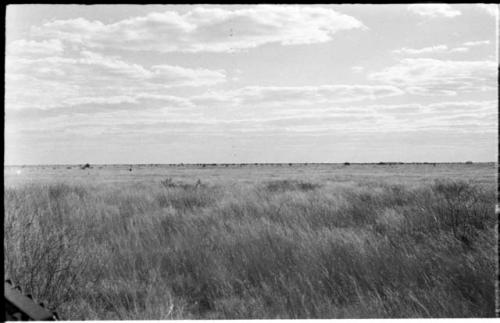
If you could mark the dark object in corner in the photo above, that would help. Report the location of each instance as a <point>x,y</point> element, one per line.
<point>21,308</point>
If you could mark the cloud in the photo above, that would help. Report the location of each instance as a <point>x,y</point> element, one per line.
<point>491,9</point>
<point>138,102</point>
<point>434,10</point>
<point>411,51</point>
<point>474,107</point>
<point>357,69</point>
<point>24,47</point>
<point>91,68</point>
<point>278,96</point>
<point>426,76</point>
<point>169,74</point>
<point>51,81</point>
<point>476,43</point>
<point>438,49</point>
<point>205,29</point>
<point>477,116</point>
<point>155,105</point>
<point>459,50</point>
<point>130,121</point>
<point>252,107</point>
<point>397,109</point>
<point>440,108</point>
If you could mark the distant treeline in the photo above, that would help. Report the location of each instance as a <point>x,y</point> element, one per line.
<point>100,166</point>
<point>205,165</point>
<point>287,164</point>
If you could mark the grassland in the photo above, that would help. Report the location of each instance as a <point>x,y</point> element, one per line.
<point>316,241</point>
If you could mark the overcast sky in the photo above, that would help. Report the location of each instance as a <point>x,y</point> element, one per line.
<point>222,84</point>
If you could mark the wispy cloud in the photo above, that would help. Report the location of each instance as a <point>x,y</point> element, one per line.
<point>357,69</point>
<point>477,43</point>
<point>32,48</point>
<point>57,80</point>
<point>138,114</point>
<point>490,8</point>
<point>280,96</point>
<point>137,106</point>
<point>475,116</point>
<point>438,49</point>
<point>475,107</point>
<point>441,49</point>
<point>426,76</point>
<point>205,29</point>
<point>434,10</point>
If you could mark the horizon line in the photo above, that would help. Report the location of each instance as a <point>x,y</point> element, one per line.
<point>261,163</point>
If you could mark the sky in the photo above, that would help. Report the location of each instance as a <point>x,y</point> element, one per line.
<point>126,84</point>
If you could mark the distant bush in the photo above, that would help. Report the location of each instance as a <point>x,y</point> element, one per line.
<point>347,164</point>
<point>468,162</point>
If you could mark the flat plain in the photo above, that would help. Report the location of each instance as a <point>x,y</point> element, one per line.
<point>254,241</point>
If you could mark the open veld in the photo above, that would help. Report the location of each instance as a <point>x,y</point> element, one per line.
<point>254,241</point>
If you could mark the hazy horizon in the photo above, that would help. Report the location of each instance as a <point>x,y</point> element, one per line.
<point>232,84</point>
<point>254,163</point>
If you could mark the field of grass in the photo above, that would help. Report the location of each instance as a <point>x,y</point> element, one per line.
<point>315,241</point>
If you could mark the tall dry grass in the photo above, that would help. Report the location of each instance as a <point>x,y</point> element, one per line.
<point>277,249</point>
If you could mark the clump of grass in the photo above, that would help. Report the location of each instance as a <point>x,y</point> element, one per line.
<point>290,185</point>
<point>168,182</point>
<point>186,195</point>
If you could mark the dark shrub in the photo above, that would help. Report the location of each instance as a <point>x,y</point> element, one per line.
<point>461,207</point>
